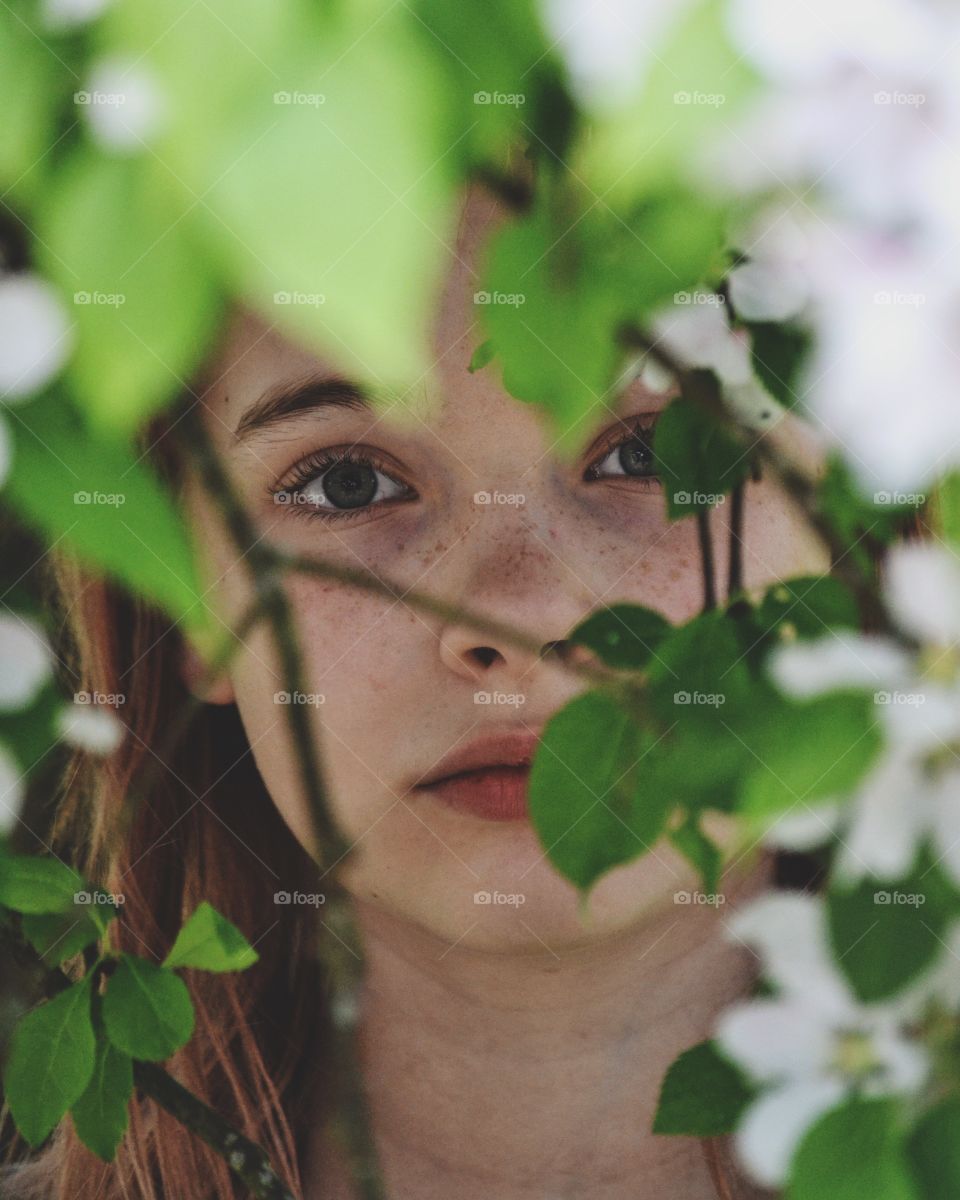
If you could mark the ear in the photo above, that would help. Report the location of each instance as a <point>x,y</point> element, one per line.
<point>192,671</point>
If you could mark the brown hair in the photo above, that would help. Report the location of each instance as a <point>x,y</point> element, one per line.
<point>203,828</point>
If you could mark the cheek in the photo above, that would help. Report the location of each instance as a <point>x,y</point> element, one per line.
<point>355,647</point>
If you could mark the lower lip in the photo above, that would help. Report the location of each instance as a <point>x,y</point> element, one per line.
<point>493,793</point>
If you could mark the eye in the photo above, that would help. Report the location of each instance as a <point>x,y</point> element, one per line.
<point>630,456</point>
<point>337,484</point>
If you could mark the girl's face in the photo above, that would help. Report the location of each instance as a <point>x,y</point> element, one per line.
<point>467,500</point>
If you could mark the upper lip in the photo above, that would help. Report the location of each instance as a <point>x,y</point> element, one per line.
<point>513,748</point>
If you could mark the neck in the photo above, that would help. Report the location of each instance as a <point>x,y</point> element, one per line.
<point>532,1075</point>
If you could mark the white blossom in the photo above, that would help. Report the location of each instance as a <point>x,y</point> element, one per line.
<point>908,796</point>
<point>25,658</point>
<point>813,1043</point>
<point>94,729</point>
<point>35,335</point>
<point>123,103</point>
<point>62,15</point>
<point>774,283</point>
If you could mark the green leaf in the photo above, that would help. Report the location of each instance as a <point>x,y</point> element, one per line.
<point>58,936</point>
<point>885,932</point>
<point>853,1152</point>
<point>37,884</point>
<point>122,244</point>
<point>30,86</point>
<point>697,460</point>
<point>703,1094</point>
<point>209,941</point>
<point>51,1061</point>
<point>654,135</point>
<point>92,493</point>
<point>623,635</point>
<point>147,1010</point>
<point>779,353</point>
<point>934,1149</point>
<point>809,606</point>
<point>804,752</point>
<point>483,354</point>
<point>586,800</point>
<point>700,851</point>
<point>100,1115</point>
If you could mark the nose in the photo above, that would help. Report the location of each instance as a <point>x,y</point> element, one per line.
<point>479,657</point>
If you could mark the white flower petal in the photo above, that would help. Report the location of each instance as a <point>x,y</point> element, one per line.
<point>25,658</point>
<point>59,15</point>
<point>94,729</point>
<point>123,104</point>
<point>945,815</point>
<point>805,828</point>
<point>35,337</point>
<point>922,585</point>
<point>838,660</point>
<point>11,791</point>
<point>774,1125</point>
<point>788,930</point>
<point>890,815</point>
<point>775,1039</point>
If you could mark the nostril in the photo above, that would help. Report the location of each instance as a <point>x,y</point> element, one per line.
<point>485,655</point>
<point>560,649</point>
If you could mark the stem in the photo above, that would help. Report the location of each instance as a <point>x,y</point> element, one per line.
<point>735,571</point>
<point>705,538</point>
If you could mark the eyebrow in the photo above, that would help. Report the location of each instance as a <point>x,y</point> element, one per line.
<point>294,400</point>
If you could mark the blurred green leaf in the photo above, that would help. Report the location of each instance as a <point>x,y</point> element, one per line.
<point>121,242</point>
<point>93,494</point>
<point>698,461</point>
<point>934,1149</point>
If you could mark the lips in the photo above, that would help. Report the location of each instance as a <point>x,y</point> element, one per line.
<point>488,777</point>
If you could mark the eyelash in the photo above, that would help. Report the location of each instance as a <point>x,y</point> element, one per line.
<point>315,466</point>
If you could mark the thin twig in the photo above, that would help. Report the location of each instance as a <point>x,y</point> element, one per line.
<point>735,557</point>
<point>705,538</point>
